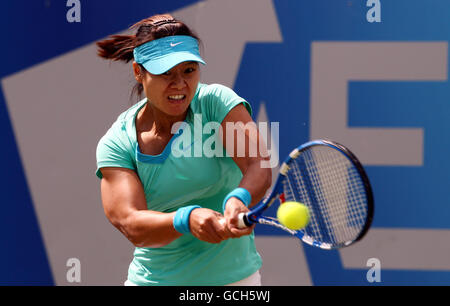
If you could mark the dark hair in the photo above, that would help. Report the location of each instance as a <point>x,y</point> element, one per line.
<point>120,47</point>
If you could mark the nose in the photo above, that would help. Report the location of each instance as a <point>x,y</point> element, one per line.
<point>178,81</point>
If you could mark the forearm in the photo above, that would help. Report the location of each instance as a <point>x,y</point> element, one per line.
<point>256,180</point>
<point>145,228</point>
<point>244,134</point>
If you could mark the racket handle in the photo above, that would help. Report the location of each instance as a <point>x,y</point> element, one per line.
<point>243,221</point>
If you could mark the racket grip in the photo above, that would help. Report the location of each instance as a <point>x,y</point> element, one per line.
<point>243,221</point>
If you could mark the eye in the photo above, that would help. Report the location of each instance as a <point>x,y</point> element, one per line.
<point>189,70</point>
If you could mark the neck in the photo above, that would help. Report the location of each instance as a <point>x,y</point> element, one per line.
<point>152,119</point>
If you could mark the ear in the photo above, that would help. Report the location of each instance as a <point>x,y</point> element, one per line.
<point>137,72</point>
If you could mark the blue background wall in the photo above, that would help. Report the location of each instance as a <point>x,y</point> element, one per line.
<point>278,73</point>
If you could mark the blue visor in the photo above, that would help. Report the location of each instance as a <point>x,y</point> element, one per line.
<point>160,55</point>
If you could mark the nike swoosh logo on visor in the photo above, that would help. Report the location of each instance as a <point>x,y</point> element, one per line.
<point>173,45</point>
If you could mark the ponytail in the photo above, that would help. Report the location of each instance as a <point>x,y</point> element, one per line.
<point>117,48</point>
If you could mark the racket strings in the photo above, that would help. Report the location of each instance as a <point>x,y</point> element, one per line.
<point>331,186</point>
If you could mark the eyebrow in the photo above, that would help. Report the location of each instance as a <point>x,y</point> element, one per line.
<point>186,64</point>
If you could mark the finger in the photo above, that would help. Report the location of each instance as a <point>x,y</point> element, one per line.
<point>222,221</point>
<point>213,232</point>
<point>223,230</point>
<point>239,232</point>
<point>238,221</point>
<point>207,233</point>
<point>204,235</point>
<point>235,230</point>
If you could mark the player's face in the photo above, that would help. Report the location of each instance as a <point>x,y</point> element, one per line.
<point>173,91</point>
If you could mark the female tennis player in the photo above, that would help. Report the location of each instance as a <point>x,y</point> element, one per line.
<point>179,210</point>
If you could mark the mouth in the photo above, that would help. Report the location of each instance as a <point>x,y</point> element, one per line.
<point>177,98</point>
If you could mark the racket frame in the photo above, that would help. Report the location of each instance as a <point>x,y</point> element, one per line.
<point>255,215</point>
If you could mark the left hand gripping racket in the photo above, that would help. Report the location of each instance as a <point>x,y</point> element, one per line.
<point>331,182</point>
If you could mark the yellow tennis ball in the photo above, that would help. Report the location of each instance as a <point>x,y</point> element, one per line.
<point>293,215</point>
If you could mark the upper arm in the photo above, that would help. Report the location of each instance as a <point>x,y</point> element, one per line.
<point>122,194</point>
<point>114,150</point>
<point>241,138</point>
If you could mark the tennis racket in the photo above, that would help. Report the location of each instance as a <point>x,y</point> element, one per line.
<point>331,182</point>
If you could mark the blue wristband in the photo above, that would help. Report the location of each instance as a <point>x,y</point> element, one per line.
<point>240,193</point>
<point>181,219</point>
